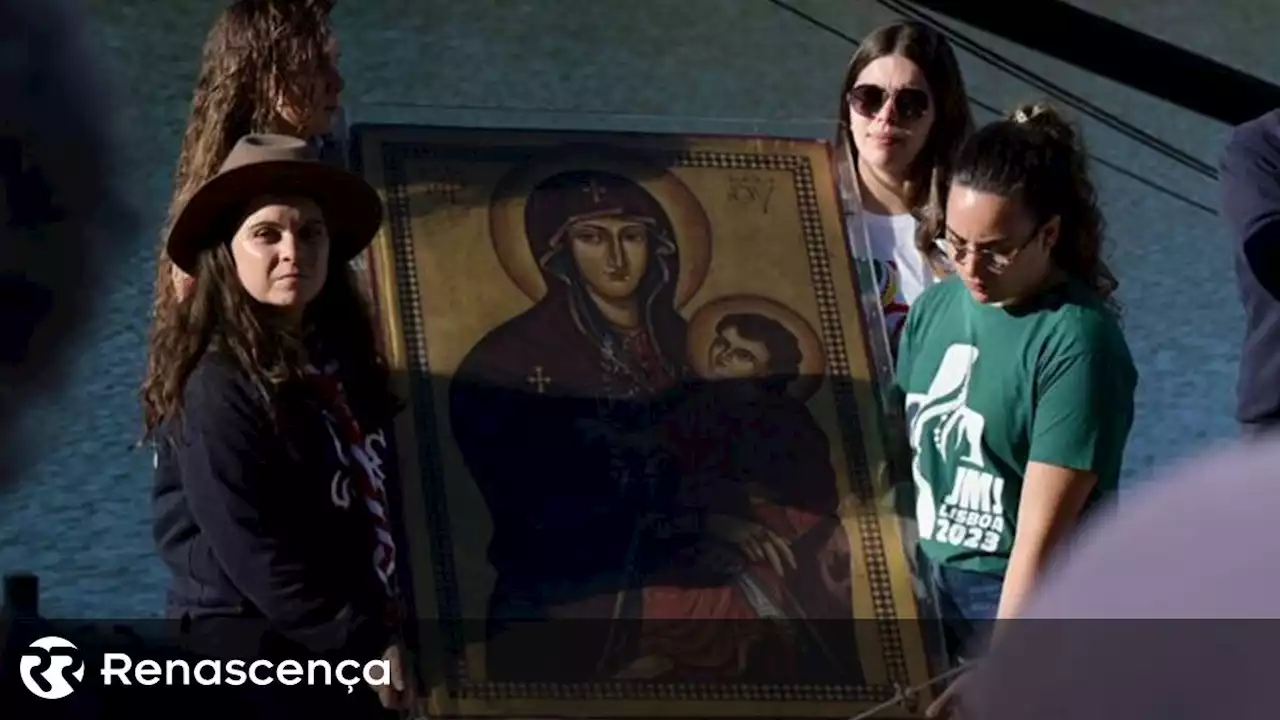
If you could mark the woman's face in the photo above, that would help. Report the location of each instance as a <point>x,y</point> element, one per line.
<point>314,102</point>
<point>611,253</point>
<point>281,252</point>
<point>891,111</point>
<point>998,249</point>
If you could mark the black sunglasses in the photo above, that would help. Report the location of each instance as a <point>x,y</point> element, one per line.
<point>909,104</point>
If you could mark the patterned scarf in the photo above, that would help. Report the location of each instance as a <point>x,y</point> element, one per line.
<point>365,474</point>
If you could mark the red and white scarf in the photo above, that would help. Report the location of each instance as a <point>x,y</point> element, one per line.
<point>365,473</point>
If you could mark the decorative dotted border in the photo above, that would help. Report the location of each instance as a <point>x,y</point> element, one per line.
<point>395,158</point>
<point>685,692</point>
<point>876,561</point>
<point>422,392</point>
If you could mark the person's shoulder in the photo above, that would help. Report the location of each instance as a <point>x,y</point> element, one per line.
<point>1082,324</point>
<point>1262,130</point>
<point>939,295</point>
<point>1253,146</point>
<point>216,371</point>
<point>934,309</point>
<point>1249,179</point>
<point>218,387</point>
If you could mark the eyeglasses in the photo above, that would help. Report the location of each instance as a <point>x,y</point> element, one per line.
<point>995,261</point>
<point>909,104</point>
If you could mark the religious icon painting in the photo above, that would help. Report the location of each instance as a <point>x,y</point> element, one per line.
<point>644,469</point>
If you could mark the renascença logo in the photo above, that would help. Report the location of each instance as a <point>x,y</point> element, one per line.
<point>116,667</point>
<point>51,664</point>
<point>51,668</point>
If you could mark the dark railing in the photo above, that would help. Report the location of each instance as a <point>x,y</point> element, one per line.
<point>21,623</point>
<point>21,596</point>
<point>19,610</point>
<point>1121,54</point>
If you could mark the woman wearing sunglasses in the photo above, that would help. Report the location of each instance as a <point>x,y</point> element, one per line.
<point>904,114</point>
<point>1018,382</point>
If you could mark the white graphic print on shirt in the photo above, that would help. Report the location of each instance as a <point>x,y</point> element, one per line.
<point>971,515</point>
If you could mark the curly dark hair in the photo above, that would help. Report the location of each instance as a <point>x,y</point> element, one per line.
<point>256,52</point>
<point>220,316</point>
<point>1036,155</point>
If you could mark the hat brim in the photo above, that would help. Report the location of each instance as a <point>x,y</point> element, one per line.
<point>352,209</point>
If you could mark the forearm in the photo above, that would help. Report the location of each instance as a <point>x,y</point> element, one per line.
<point>1025,566</point>
<point>1051,501</point>
<point>1032,552</point>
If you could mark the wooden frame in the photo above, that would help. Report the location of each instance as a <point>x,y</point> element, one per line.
<point>755,227</point>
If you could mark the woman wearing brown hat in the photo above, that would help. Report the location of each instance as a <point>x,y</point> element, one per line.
<point>269,66</point>
<point>270,411</point>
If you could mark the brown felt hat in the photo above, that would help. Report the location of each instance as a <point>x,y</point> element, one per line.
<point>274,165</point>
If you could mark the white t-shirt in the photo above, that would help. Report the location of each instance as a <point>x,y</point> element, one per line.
<point>901,271</point>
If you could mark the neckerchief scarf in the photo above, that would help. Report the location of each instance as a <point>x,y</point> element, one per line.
<point>364,474</point>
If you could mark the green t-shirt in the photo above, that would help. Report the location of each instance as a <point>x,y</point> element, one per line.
<point>989,389</point>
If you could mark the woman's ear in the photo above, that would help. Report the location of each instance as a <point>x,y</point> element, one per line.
<point>287,112</point>
<point>182,283</point>
<point>1050,232</point>
<point>940,264</point>
<point>289,109</point>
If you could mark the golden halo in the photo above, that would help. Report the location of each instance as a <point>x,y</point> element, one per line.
<point>702,330</point>
<point>511,244</point>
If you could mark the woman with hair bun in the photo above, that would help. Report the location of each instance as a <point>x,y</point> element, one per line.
<point>1018,382</point>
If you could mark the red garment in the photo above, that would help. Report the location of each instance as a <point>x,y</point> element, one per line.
<point>364,475</point>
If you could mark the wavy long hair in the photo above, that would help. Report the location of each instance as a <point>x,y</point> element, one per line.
<point>257,52</point>
<point>220,316</point>
<point>953,121</point>
<point>1036,155</point>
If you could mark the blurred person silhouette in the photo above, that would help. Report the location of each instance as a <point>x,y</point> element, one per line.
<point>59,207</point>
<point>1249,181</point>
<point>1165,608</point>
<point>60,214</point>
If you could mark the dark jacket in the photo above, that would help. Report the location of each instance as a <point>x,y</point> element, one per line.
<point>263,535</point>
<point>1250,187</point>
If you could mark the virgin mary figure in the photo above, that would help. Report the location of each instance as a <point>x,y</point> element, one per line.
<point>550,411</point>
